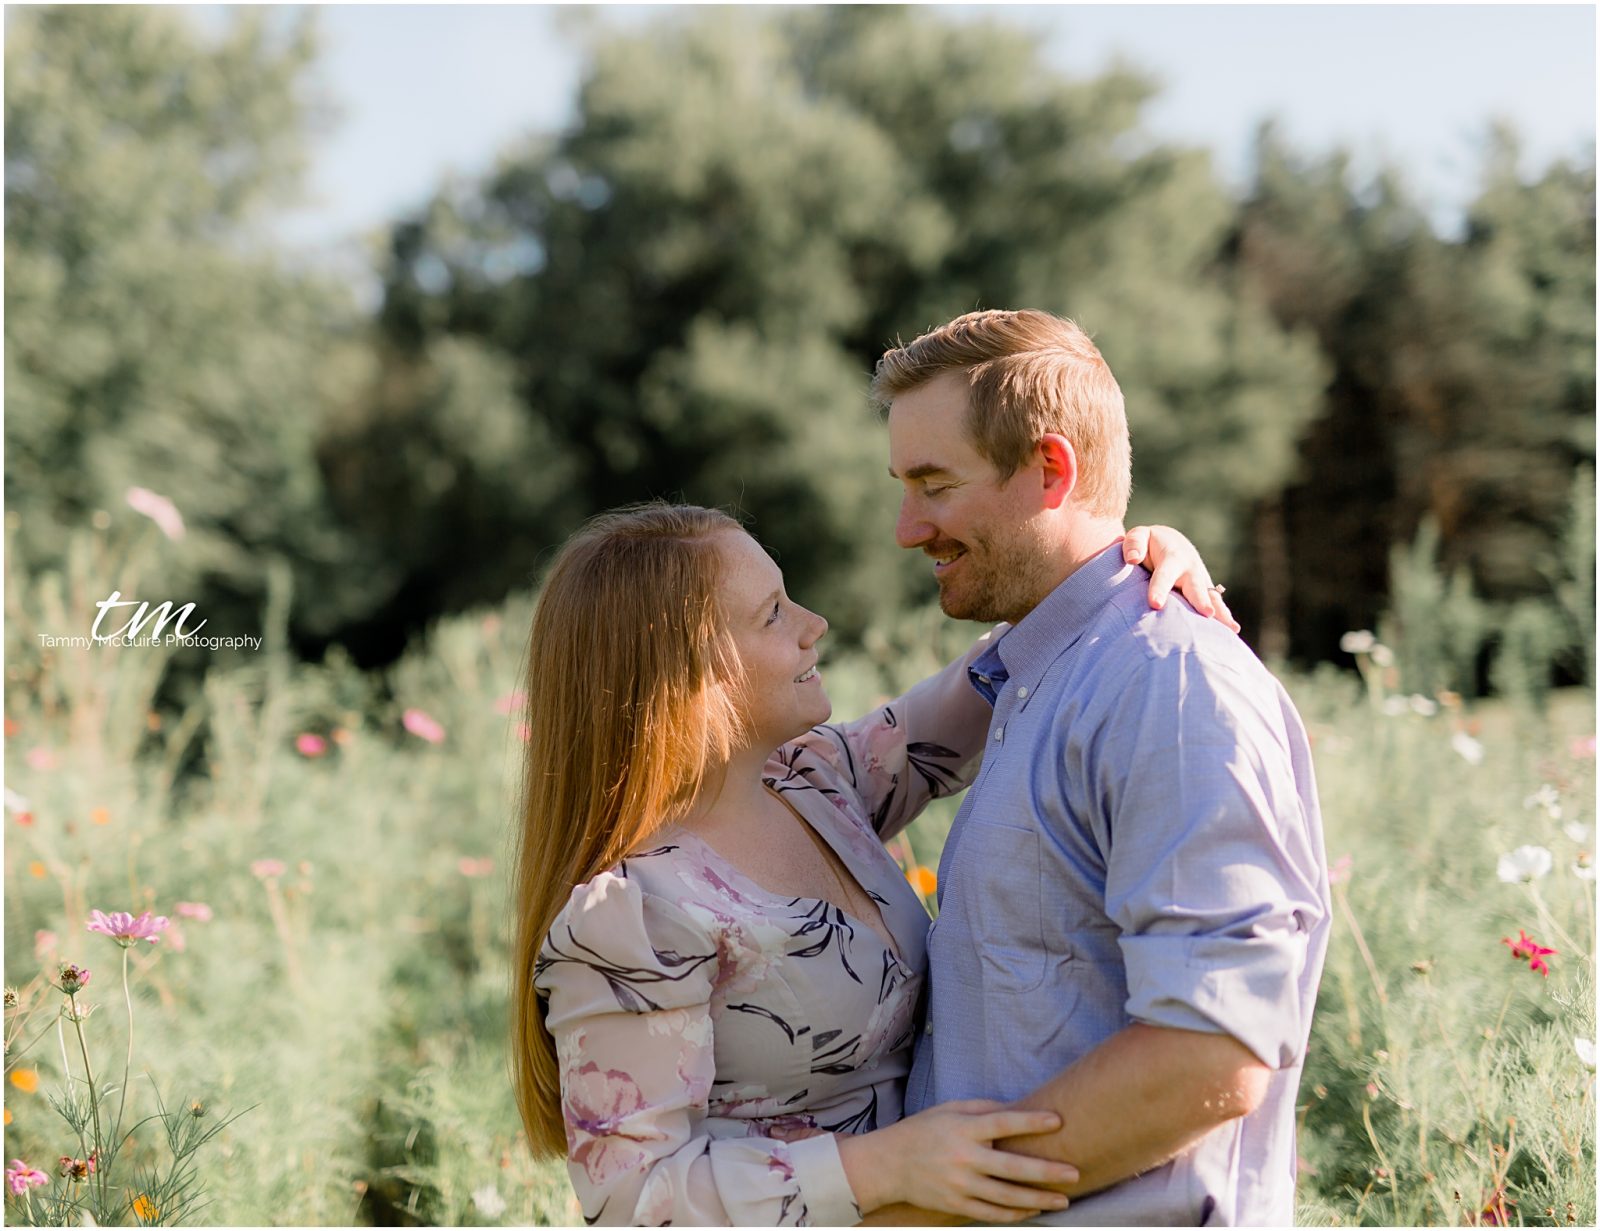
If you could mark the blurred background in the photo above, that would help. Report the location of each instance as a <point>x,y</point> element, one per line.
<point>335,321</point>
<point>397,296</point>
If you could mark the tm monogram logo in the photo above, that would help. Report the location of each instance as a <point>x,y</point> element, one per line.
<point>136,623</point>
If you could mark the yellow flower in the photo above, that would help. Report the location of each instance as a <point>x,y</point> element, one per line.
<point>923,879</point>
<point>8,1115</point>
<point>36,870</point>
<point>100,816</point>
<point>144,1209</point>
<point>26,1080</point>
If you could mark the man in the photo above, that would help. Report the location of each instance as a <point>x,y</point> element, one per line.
<point>1133,898</point>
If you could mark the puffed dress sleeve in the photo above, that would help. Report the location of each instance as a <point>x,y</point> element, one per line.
<point>627,979</point>
<point>925,744</point>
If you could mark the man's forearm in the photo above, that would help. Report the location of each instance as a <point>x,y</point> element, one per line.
<point>1142,1097</point>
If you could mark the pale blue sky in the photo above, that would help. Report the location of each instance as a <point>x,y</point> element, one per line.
<point>430,90</point>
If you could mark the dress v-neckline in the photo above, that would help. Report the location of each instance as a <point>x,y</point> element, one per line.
<point>881,931</point>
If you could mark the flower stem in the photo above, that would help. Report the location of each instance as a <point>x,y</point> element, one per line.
<point>127,1068</point>
<point>94,1107</point>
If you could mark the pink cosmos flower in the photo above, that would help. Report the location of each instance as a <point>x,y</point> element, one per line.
<point>44,942</point>
<point>1340,871</point>
<point>524,732</point>
<point>73,978</point>
<point>195,910</point>
<point>125,929</point>
<point>20,1177</point>
<point>469,866</point>
<point>309,745</point>
<point>1526,948</point>
<point>265,868</point>
<point>422,726</point>
<point>1582,749</point>
<point>41,759</point>
<point>510,703</point>
<point>159,510</point>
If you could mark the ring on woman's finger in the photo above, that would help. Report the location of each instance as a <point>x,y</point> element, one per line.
<point>1219,588</point>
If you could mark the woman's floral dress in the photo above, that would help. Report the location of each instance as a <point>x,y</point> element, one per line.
<point>711,1035</point>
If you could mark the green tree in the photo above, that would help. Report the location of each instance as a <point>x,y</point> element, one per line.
<point>694,281</point>
<point>152,338</point>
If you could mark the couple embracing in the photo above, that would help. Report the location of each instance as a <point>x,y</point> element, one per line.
<point>730,1007</point>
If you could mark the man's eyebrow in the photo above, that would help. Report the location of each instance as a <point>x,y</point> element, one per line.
<point>920,471</point>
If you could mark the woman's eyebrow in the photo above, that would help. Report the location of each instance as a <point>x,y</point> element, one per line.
<point>767,602</point>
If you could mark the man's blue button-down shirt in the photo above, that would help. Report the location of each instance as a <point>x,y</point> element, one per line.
<point>1142,844</point>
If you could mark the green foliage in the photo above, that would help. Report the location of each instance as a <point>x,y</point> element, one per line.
<point>355,997</point>
<point>1436,625</point>
<point>1462,374</point>
<point>152,337</point>
<point>749,209</point>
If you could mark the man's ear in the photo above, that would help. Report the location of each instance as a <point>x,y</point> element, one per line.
<point>1058,463</point>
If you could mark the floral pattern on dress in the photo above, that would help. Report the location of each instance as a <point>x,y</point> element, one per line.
<point>713,1036</point>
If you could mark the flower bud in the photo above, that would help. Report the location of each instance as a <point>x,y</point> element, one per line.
<point>73,978</point>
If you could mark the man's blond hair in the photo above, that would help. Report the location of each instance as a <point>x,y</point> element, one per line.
<point>1029,374</point>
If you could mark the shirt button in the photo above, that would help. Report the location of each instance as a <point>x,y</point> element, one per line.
<point>1022,692</point>
<point>999,735</point>
<point>928,1029</point>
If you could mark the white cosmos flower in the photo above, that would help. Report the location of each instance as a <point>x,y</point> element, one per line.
<point>1395,706</point>
<point>1546,798</point>
<point>489,1201</point>
<point>1526,863</point>
<point>1469,749</point>
<point>15,802</point>
<point>1359,642</point>
<point>1382,655</point>
<point>1577,831</point>
<point>1585,1050</point>
<point>1425,706</point>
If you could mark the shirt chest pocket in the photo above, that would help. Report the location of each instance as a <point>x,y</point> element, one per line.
<point>1003,897</point>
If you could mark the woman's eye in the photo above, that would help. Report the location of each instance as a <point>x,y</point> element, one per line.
<point>775,612</point>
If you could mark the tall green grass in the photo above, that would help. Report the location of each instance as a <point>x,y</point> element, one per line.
<point>353,1006</point>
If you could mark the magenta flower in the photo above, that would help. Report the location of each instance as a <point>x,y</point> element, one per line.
<point>266,868</point>
<point>73,978</point>
<point>158,509</point>
<point>1526,948</point>
<point>309,745</point>
<point>195,910</point>
<point>20,1177</point>
<point>511,702</point>
<point>125,929</point>
<point>423,726</point>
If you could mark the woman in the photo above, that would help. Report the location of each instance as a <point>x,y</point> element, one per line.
<point>715,1025</point>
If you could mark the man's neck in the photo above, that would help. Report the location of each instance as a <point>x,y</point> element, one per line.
<point>1081,540</point>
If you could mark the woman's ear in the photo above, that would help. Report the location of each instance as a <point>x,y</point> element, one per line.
<point>1058,463</point>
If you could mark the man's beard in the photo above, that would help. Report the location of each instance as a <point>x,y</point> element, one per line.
<point>1002,580</point>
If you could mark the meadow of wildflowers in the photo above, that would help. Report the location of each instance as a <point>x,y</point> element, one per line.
<point>281,911</point>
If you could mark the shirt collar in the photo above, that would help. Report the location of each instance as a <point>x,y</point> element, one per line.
<point>1052,627</point>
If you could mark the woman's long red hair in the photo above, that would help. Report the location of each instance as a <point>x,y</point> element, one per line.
<point>632,707</point>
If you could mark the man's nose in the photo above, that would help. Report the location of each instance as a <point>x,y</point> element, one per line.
<point>911,530</point>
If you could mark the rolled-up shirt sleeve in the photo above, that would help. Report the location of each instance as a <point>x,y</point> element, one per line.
<point>627,979</point>
<point>1211,873</point>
